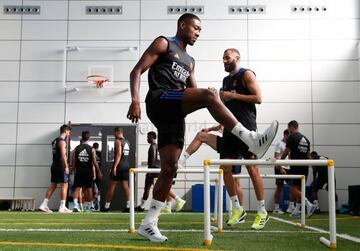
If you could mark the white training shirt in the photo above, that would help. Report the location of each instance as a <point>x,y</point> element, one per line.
<point>280,148</point>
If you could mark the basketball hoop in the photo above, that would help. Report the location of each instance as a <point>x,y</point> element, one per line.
<point>99,81</point>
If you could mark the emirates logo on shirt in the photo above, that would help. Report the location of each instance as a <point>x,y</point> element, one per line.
<point>180,72</point>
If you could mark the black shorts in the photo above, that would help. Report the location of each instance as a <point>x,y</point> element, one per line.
<point>218,144</point>
<point>83,178</point>
<point>165,112</point>
<point>280,182</point>
<point>58,174</point>
<point>319,182</point>
<point>236,170</point>
<point>120,175</point>
<point>298,170</point>
<point>232,147</point>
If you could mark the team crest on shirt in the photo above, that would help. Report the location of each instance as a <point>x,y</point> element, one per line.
<point>234,83</point>
<point>176,56</point>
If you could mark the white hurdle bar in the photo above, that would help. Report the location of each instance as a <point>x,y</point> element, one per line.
<point>331,243</point>
<point>267,176</point>
<point>206,181</point>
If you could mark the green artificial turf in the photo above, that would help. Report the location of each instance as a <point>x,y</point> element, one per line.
<point>108,231</point>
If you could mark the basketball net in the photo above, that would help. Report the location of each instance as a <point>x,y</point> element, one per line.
<point>99,81</point>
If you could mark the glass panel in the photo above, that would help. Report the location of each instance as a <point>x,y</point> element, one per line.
<point>110,148</point>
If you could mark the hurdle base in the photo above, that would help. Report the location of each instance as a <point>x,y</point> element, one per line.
<point>207,243</point>
<point>302,225</point>
<point>220,230</point>
<point>131,230</point>
<point>326,242</point>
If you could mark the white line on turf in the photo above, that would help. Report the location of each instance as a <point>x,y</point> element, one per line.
<point>126,230</point>
<point>320,230</point>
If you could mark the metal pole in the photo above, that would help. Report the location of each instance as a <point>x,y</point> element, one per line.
<point>132,210</point>
<point>207,221</point>
<point>303,191</point>
<point>216,202</point>
<point>332,207</point>
<point>220,201</point>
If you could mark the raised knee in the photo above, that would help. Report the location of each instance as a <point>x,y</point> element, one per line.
<point>170,168</point>
<point>211,96</point>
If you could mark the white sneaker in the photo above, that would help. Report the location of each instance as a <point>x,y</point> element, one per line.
<point>262,141</point>
<point>45,209</point>
<point>310,209</point>
<point>151,232</point>
<point>76,209</point>
<point>64,210</point>
<point>180,204</point>
<point>241,221</point>
<point>295,213</point>
<point>290,210</point>
<point>278,211</point>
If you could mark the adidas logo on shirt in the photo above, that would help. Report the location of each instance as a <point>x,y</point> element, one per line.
<point>83,156</point>
<point>303,145</point>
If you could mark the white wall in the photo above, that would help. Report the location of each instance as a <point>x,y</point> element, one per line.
<point>307,66</point>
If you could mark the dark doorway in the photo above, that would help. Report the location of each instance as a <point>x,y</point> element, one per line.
<point>104,136</point>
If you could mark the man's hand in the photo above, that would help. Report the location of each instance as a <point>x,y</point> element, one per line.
<point>134,113</point>
<point>282,170</point>
<point>224,95</point>
<point>114,171</point>
<point>205,130</point>
<point>100,176</point>
<point>67,171</point>
<point>94,176</point>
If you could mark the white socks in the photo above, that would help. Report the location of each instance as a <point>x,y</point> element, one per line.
<point>291,204</point>
<point>76,203</point>
<point>183,158</point>
<point>154,211</point>
<point>235,202</point>
<point>45,202</point>
<point>261,206</point>
<point>277,206</point>
<point>186,155</point>
<point>308,203</point>
<point>242,133</point>
<point>177,198</point>
<point>62,203</point>
<point>107,205</point>
<point>128,204</point>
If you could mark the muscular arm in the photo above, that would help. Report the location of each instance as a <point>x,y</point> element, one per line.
<point>152,53</point>
<point>219,128</point>
<point>252,85</point>
<point>152,156</point>
<point>94,162</point>
<point>191,83</point>
<point>73,161</point>
<point>62,146</point>
<point>117,156</point>
<point>277,155</point>
<point>285,153</point>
